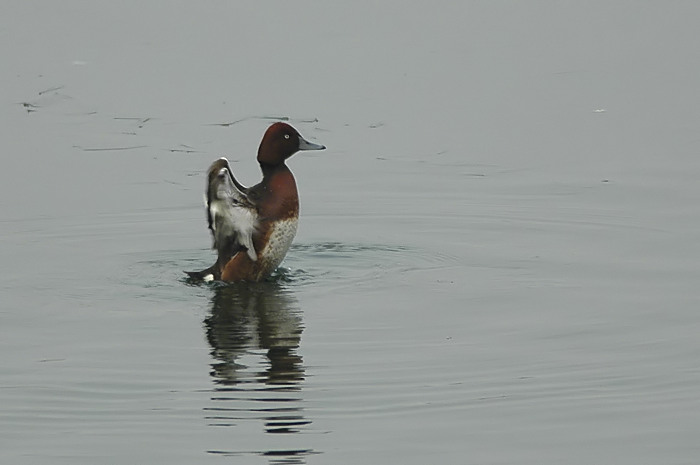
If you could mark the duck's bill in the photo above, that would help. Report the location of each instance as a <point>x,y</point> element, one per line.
<point>306,145</point>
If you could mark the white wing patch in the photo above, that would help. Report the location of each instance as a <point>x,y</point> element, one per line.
<point>229,219</point>
<point>245,222</point>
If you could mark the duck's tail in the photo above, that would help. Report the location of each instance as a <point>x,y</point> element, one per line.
<point>210,274</point>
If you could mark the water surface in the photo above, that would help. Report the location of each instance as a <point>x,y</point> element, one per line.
<point>497,254</point>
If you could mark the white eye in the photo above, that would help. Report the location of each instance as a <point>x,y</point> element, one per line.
<point>286,136</point>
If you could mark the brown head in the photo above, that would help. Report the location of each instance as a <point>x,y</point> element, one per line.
<point>280,142</point>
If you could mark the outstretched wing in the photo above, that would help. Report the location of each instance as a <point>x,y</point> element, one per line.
<point>238,193</point>
<point>231,214</point>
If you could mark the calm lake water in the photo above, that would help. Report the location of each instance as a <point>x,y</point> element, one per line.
<point>497,260</point>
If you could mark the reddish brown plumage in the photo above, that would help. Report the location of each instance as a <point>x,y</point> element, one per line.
<point>275,199</point>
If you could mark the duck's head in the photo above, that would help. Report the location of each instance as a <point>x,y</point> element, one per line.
<point>280,142</point>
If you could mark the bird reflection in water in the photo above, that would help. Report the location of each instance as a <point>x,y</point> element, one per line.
<point>254,330</point>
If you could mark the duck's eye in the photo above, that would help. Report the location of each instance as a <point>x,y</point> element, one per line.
<point>286,136</point>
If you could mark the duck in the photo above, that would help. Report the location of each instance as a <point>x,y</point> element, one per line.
<point>253,227</point>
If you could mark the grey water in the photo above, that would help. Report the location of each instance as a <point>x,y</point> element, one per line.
<point>497,259</point>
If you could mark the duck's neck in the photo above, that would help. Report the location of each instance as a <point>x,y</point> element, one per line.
<point>269,170</point>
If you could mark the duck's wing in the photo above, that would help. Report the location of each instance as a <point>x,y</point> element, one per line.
<point>231,213</point>
<point>233,227</point>
<point>215,182</point>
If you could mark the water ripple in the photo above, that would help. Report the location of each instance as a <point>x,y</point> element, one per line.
<point>354,263</point>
